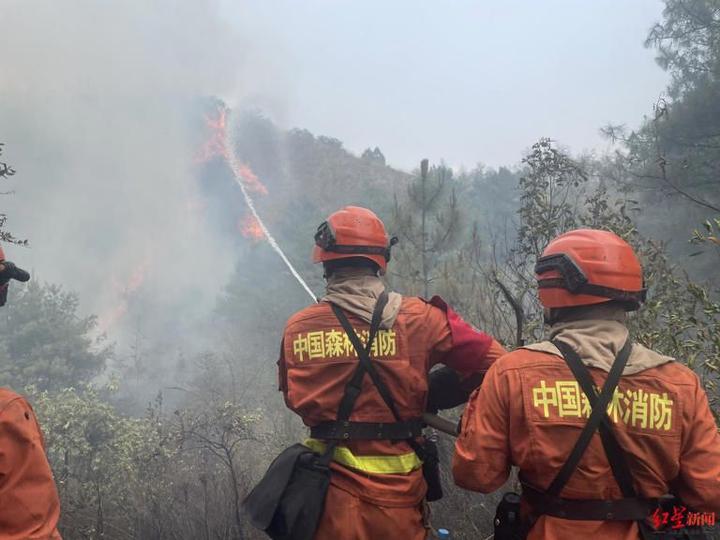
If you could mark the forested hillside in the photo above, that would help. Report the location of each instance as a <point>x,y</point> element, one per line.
<point>161,432</point>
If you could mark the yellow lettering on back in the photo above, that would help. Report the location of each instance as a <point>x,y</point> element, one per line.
<point>637,408</point>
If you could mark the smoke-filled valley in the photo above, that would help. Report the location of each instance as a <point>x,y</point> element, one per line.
<point>148,336</point>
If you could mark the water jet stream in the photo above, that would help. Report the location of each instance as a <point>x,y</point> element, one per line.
<point>236,169</point>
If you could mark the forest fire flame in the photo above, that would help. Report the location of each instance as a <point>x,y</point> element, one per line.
<point>124,291</point>
<point>220,144</point>
<point>136,279</point>
<point>251,180</point>
<point>216,146</point>
<point>250,228</point>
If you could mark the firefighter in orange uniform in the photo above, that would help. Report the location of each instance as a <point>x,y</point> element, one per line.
<point>656,434</point>
<point>29,504</point>
<point>377,488</point>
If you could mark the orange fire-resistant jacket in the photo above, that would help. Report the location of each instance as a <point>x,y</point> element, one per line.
<point>29,504</point>
<point>530,411</point>
<point>316,362</point>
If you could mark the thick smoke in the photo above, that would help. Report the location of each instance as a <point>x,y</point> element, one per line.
<point>99,110</point>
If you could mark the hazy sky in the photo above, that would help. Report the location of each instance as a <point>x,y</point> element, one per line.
<point>467,81</point>
<point>96,100</point>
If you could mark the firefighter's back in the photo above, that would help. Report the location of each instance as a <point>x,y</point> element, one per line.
<point>319,360</point>
<point>377,485</point>
<point>377,489</point>
<point>653,413</point>
<point>533,410</point>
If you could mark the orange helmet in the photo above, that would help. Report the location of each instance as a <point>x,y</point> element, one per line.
<point>353,232</point>
<point>588,266</point>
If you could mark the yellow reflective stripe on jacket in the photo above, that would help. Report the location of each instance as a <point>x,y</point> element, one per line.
<point>400,464</point>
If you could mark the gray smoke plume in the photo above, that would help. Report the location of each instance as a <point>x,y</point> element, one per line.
<point>96,108</point>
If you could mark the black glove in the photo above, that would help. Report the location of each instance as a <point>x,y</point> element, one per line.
<point>447,390</point>
<point>10,271</point>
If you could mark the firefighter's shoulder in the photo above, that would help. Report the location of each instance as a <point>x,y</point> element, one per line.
<point>319,312</point>
<point>670,371</point>
<point>526,357</point>
<point>434,307</point>
<point>417,305</point>
<point>8,397</point>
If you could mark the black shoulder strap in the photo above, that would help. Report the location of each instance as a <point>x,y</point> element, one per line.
<point>617,457</point>
<point>615,454</point>
<point>354,386</point>
<point>367,365</point>
<point>599,406</point>
<point>364,357</point>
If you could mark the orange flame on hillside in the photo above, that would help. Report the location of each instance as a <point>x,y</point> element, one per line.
<point>111,318</point>
<point>250,228</point>
<point>248,182</point>
<point>216,146</point>
<point>251,180</point>
<point>125,291</point>
<point>136,279</point>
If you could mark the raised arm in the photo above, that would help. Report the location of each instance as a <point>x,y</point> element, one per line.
<point>465,352</point>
